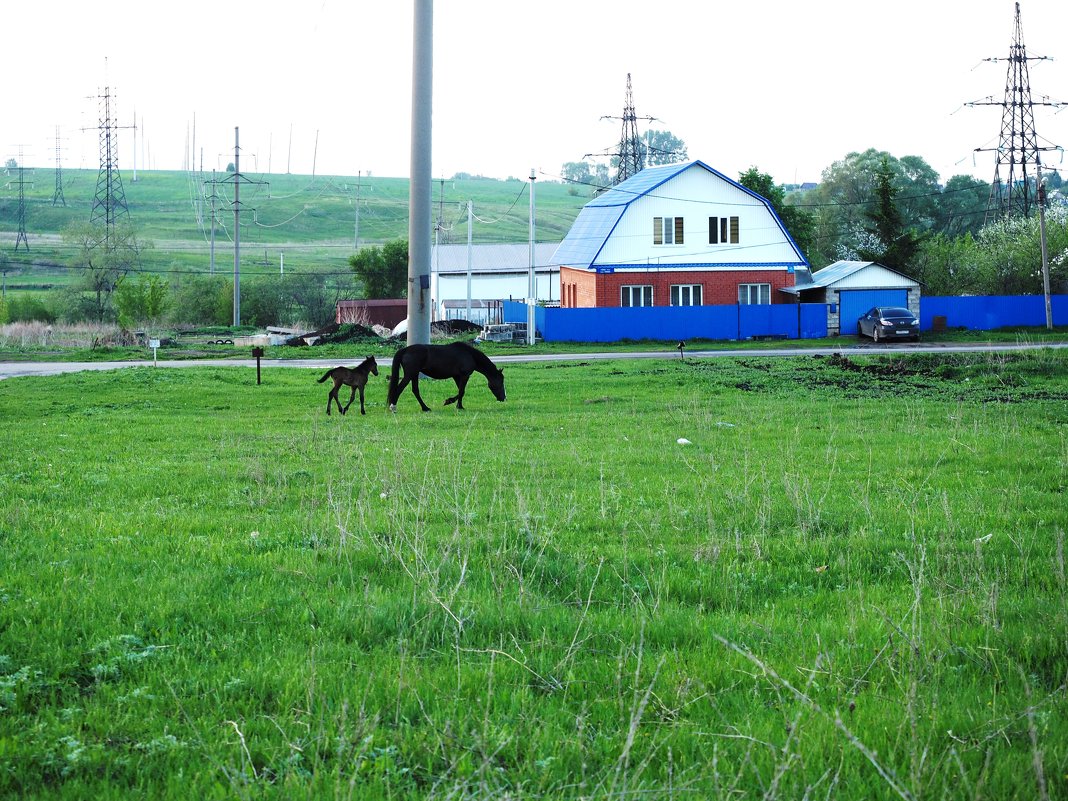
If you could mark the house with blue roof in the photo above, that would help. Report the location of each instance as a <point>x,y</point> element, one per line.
<point>677,235</point>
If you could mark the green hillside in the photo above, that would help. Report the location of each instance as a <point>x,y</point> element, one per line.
<point>300,222</point>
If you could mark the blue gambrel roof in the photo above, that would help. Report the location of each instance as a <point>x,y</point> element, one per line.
<point>599,217</point>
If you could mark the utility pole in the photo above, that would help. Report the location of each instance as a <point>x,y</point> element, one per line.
<point>57,196</point>
<point>419,187</point>
<point>109,203</point>
<point>470,231</point>
<point>1018,148</point>
<point>1042,239</point>
<point>532,282</point>
<point>356,233</point>
<point>237,178</point>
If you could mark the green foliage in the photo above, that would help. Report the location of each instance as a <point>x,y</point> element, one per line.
<point>26,307</point>
<point>203,300</point>
<point>102,259</point>
<point>894,242</point>
<point>210,590</point>
<point>383,270</point>
<point>799,222</point>
<point>663,147</point>
<point>141,301</point>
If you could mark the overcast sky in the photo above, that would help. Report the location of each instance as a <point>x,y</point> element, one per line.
<point>786,86</point>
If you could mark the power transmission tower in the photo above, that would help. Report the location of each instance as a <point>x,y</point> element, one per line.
<point>20,237</point>
<point>57,196</point>
<point>1019,155</point>
<point>631,153</point>
<point>109,203</point>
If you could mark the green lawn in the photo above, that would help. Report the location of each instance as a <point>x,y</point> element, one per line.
<point>847,583</point>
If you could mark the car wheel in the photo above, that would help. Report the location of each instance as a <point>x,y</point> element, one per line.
<point>875,334</point>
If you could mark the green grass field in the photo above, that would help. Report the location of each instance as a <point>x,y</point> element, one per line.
<point>309,221</point>
<point>850,583</point>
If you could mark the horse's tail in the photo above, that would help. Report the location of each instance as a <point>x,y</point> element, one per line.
<point>326,376</point>
<point>394,378</point>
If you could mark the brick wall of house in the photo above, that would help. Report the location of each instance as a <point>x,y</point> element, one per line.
<point>718,288</point>
<point>578,288</point>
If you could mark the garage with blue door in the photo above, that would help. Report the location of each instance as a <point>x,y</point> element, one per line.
<point>850,288</point>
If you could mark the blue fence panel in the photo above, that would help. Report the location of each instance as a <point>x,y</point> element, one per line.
<point>986,312</point>
<point>813,321</point>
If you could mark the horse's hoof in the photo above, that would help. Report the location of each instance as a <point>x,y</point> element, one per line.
<point>393,408</point>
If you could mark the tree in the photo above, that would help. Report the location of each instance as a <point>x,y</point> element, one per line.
<point>799,222</point>
<point>383,270</point>
<point>894,243</point>
<point>141,301</point>
<point>11,164</point>
<point>663,147</point>
<point>962,205</point>
<point>103,263</point>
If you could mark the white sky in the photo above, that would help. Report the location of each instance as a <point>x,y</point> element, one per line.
<point>783,85</point>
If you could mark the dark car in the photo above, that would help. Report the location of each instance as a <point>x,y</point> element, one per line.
<point>889,322</point>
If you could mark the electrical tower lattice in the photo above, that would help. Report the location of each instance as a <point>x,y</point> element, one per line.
<point>57,196</point>
<point>1013,192</point>
<point>109,203</point>
<point>20,237</point>
<point>631,155</point>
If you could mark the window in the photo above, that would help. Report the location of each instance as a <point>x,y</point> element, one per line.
<point>723,230</point>
<point>667,231</point>
<point>754,294</point>
<point>636,295</point>
<point>686,295</point>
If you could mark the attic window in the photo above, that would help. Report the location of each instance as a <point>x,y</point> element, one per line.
<point>723,230</point>
<point>667,231</point>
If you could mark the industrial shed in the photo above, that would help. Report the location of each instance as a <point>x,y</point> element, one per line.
<point>850,288</point>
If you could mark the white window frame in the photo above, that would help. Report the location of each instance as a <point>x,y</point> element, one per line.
<point>746,293</point>
<point>724,230</point>
<point>627,294</point>
<point>687,295</point>
<point>668,231</point>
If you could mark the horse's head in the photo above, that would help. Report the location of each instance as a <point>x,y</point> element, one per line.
<point>372,365</point>
<point>496,384</point>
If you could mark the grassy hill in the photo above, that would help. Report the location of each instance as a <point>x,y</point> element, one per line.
<point>309,221</point>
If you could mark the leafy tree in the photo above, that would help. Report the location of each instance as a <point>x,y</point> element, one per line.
<point>383,270</point>
<point>800,222</point>
<point>663,147</point>
<point>203,300</point>
<point>141,300</point>
<point>894,243</point>
<point>103,263</point>
<point>962,205</point>
<point>11,164</point>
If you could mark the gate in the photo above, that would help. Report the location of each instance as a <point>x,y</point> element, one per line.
<point>854,302</point>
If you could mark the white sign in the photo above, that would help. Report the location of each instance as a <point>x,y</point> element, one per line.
<point>153,343</point>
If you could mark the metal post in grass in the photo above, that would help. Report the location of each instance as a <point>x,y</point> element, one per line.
<point>1042,239</point>
<point>532,286</point>
<point>419,186</point>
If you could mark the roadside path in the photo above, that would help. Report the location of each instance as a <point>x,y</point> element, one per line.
<point>16,369</point>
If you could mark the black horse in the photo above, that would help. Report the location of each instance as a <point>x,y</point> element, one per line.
<point>356,378</point>
<point>456,360</point>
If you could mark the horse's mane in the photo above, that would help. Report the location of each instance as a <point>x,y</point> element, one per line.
<point>481,359</point>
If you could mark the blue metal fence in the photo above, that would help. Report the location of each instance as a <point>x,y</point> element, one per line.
<point>664,323</point>
<point>788,321</point>
<point>986,312</point>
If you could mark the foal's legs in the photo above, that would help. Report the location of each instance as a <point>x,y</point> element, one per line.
<point>333,397</point>
<point>352,397</point>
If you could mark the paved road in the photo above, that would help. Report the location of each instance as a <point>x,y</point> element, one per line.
<point>14,369</point>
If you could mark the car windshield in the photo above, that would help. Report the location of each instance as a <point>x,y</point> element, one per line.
<point>895,312</point>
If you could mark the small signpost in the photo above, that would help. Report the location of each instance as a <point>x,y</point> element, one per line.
<point>258,353</point>
<point>154,344</point>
